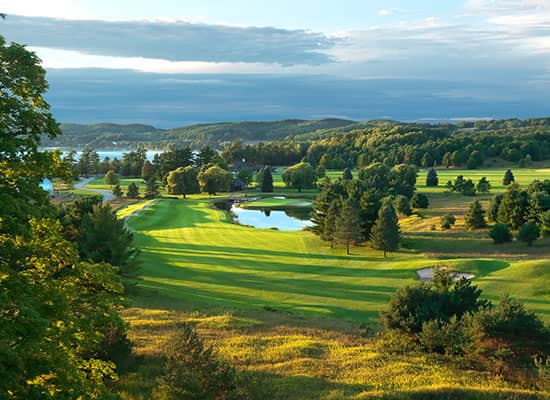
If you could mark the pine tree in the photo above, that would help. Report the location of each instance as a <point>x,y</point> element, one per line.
<point>475,217</point>
<point>431,178</point>
<point>528,233</point>
<point>385,234</point>
<point>347,174</point>
<point>267,180</point>
<point>329,227</point>
<point>483,186</point>
<point>133,191</point>
<point>348,226</point>
<point>152,188</point>
<point>111,178</point>
<point>508,177</point>
<point>117,191</point>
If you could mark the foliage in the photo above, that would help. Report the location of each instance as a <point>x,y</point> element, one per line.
<point>194,370</point>
<point>245,175</point>
<point>152,188</point>
<point>447,221</point>
<point>147,171</point>
<point>402,205</point>
<point>214,179</point>
<point>528,233</point>
<point>103,238</point>
<point>420,200</point>
<point>513,208</point>
<point>111,178</point>
<point>300,176</point>
<point>494,204</point>
<point>508,177</point>
<point>347,174</point>
<point>133,191</point>
<point>431,178</point>
<point>117,191</point>
<point>183,180</point>
<point>386,234</point>
<point>483,186</point>
<point>500,233</point>
<point>475,217</point>
<point>346,224</point>
<point>463,186</point>
<point>266,184</point>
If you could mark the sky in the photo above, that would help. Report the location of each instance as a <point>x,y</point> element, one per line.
<point>171,63</point>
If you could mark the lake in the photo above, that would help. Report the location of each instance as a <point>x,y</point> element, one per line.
<point>283,220</point>
<point>112,154</point>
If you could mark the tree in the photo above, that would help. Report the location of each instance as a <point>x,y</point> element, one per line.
<point>513,208</point>
<point>385,234</point>
<point>483,186</point>
<point>182,181</point>
<point>103,238</point>
<point>447,221</point>
<point>147,171</point>
<point>300,176</point>
<point>545,222</point>
<point>117,191</point>
<point>431,178</point>
<point>475,160</point>
<point>214,179</point>
<point>508,177</point>
<point>347,174</point>
<point>152,188</point>
<point>494,204</point>
<point>245,175</point>
<point>111,178</point>
<point>267,180</point>
<point>194,371</point>
<point>500,233</point>
<point>475,217</point>
<point>402,205</point>
<point>329,228</point>
<point>133,191</point>
<point>528,233</point>
<point>420,200</point>
<point>403,179</point>
<point>347,227</point>
<point>376,176</point>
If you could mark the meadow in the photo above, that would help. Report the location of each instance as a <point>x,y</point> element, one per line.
<point>299,316</point>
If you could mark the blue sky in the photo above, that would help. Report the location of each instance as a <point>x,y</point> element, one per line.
<point>172,63</point>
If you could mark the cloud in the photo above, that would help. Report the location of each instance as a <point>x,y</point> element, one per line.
<point>172,41</point>
<point>384,12</point>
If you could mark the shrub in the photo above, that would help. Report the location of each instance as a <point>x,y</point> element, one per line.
<point>194,371</point>
<point>431,178</point>
<point>420,200</point>
<point>500,233</point>
<point>508,177</point>
<point>447,221</point>
<point>528,233</point>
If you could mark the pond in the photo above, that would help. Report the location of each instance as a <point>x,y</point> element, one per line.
<point>289,220</point>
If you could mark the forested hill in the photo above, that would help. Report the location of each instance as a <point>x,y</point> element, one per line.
<point>196,136</point>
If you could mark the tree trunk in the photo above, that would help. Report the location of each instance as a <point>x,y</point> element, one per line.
<point>347,247</point>
<point>385,253</point>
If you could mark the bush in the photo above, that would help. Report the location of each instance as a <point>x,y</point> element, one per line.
<point>500,233</point>
<point>194,371</point>
<point>420,200</point>
<point>447,221</point>
<point>431,178</point>
<point>528,233</point>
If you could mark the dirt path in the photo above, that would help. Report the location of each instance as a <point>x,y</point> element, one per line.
<point>107,195</point>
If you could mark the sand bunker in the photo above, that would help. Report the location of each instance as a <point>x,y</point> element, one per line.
<point>426,274</point>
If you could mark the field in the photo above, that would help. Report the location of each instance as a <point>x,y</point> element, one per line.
<point>300,317</point>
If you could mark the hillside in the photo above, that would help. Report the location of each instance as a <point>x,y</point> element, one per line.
<point>103,135</point>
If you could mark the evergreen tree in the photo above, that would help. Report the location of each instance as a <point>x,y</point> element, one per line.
<point>483,186</point>
<point>431,178</point>
<point>267,180</point>
<point>508,177</point>
<point>133,191</point>
<point>152,188</point>
<point>528,233</point>
<point>331,217</point>
<point>513,209</point>
<point>494,204</point>
<point>475,217</point>
<point>147,171</point>
<point>500,233</point>
<point>385,234</point>
<point>347,174</point>
<point>420,200</point>
<point>347,228</point>
<point>110,178</point>
<point>117,191</point>
<point>402,205</point>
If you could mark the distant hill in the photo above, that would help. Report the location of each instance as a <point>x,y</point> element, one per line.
<point>103,135</point>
